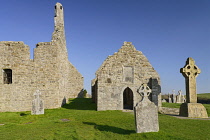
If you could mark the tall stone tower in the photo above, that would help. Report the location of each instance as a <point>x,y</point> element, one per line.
<point>59,31</point>
<point>59,21</point>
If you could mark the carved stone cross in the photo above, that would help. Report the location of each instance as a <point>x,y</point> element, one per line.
<point>180,92</point>
<point>144,91</point>
<point>190,71</point>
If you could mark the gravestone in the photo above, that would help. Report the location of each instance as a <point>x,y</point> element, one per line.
<point>37,104</point>
<point>163,100</point>
<point>169,98</point>
<point>191,108</point>
<point>146,112</point>
<point>183,99</point>
<point>173,96</point>
<point>179,97</point>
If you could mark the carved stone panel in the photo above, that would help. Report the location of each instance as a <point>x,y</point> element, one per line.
<point>128,74</point>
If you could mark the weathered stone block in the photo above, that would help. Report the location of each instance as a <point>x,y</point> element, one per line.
<point>193,110</point>
<point>37,104</point>
<point>146,112</point>
<point>146,117</point>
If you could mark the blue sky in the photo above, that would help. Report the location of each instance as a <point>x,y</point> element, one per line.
<point>166,31</point>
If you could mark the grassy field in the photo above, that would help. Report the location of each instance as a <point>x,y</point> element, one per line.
<point>204,96</point>
<point>79,120</point>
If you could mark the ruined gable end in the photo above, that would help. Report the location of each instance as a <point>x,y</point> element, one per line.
<point>119,77</point>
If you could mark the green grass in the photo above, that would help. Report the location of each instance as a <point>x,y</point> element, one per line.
<point>203,96</point>
<point>86,123</point>
<point>171,105</point>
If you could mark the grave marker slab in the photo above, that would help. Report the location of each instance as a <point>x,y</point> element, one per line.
<point>37,104</point>
<point>179,97</point>
<point>174,96</point>
<point>169,98</point>
<point>146,112</point>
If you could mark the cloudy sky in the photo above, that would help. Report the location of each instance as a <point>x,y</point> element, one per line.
<point>166,31</point>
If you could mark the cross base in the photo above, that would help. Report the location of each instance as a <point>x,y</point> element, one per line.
<point>193,110</point>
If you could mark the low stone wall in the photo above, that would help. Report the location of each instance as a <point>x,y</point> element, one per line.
<point>166,110</point>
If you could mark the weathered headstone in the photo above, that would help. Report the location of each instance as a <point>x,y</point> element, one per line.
<point>146,112</point>
<point>173,96</point>
<point>191,108</point>
<point>179,97</point>
<point>169,98</point>
<point>163,100</point>
<point>37,104</point>
<point>183,99</point>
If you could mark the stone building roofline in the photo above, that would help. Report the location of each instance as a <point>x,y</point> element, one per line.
<point>43,44</point>
<point>127,45</point>
<point>11,42</point>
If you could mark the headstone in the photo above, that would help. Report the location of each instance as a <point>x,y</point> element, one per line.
<point>163,100</point>
<point>146,112</point>
<point>183,99</point>
<point>169,98</point>
<point>191,108</point>
<point>179,97</point>
<point>37,104</point>
<point>173,96</point>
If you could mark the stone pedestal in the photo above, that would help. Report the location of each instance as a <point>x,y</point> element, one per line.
<point>193,110</point>
<point>146,117</point>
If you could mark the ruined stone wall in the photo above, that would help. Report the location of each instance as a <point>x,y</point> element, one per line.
<point>46,71</point>
<point>50,72</point>
<point>75,83</point>
<point>126,68</point>
<point>18,94</point>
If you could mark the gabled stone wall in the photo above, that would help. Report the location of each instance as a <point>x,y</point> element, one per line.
<point>126,68</point>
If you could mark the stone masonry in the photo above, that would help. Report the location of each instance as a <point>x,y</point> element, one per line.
<point>118,79</point>
<point>50,72</point>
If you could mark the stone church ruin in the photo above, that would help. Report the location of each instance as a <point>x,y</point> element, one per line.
<point>50,72</point>
<point>119,78</point>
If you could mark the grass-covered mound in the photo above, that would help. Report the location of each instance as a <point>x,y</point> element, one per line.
<point>79,120</point>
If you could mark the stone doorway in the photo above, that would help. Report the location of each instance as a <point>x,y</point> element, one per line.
<point>128,99</point>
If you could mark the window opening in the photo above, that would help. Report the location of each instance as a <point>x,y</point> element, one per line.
<point>7,73</point>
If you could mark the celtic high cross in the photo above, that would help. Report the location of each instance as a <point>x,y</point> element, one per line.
<point>190,71</point>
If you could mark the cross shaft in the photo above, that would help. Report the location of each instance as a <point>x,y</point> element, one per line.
<point>190,71</point>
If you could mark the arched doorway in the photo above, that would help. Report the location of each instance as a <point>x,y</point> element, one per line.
<point>128,99</point>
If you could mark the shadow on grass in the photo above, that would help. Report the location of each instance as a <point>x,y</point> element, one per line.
<point>80,104</point>
<point>110,128</point>
<point>23,114</point>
